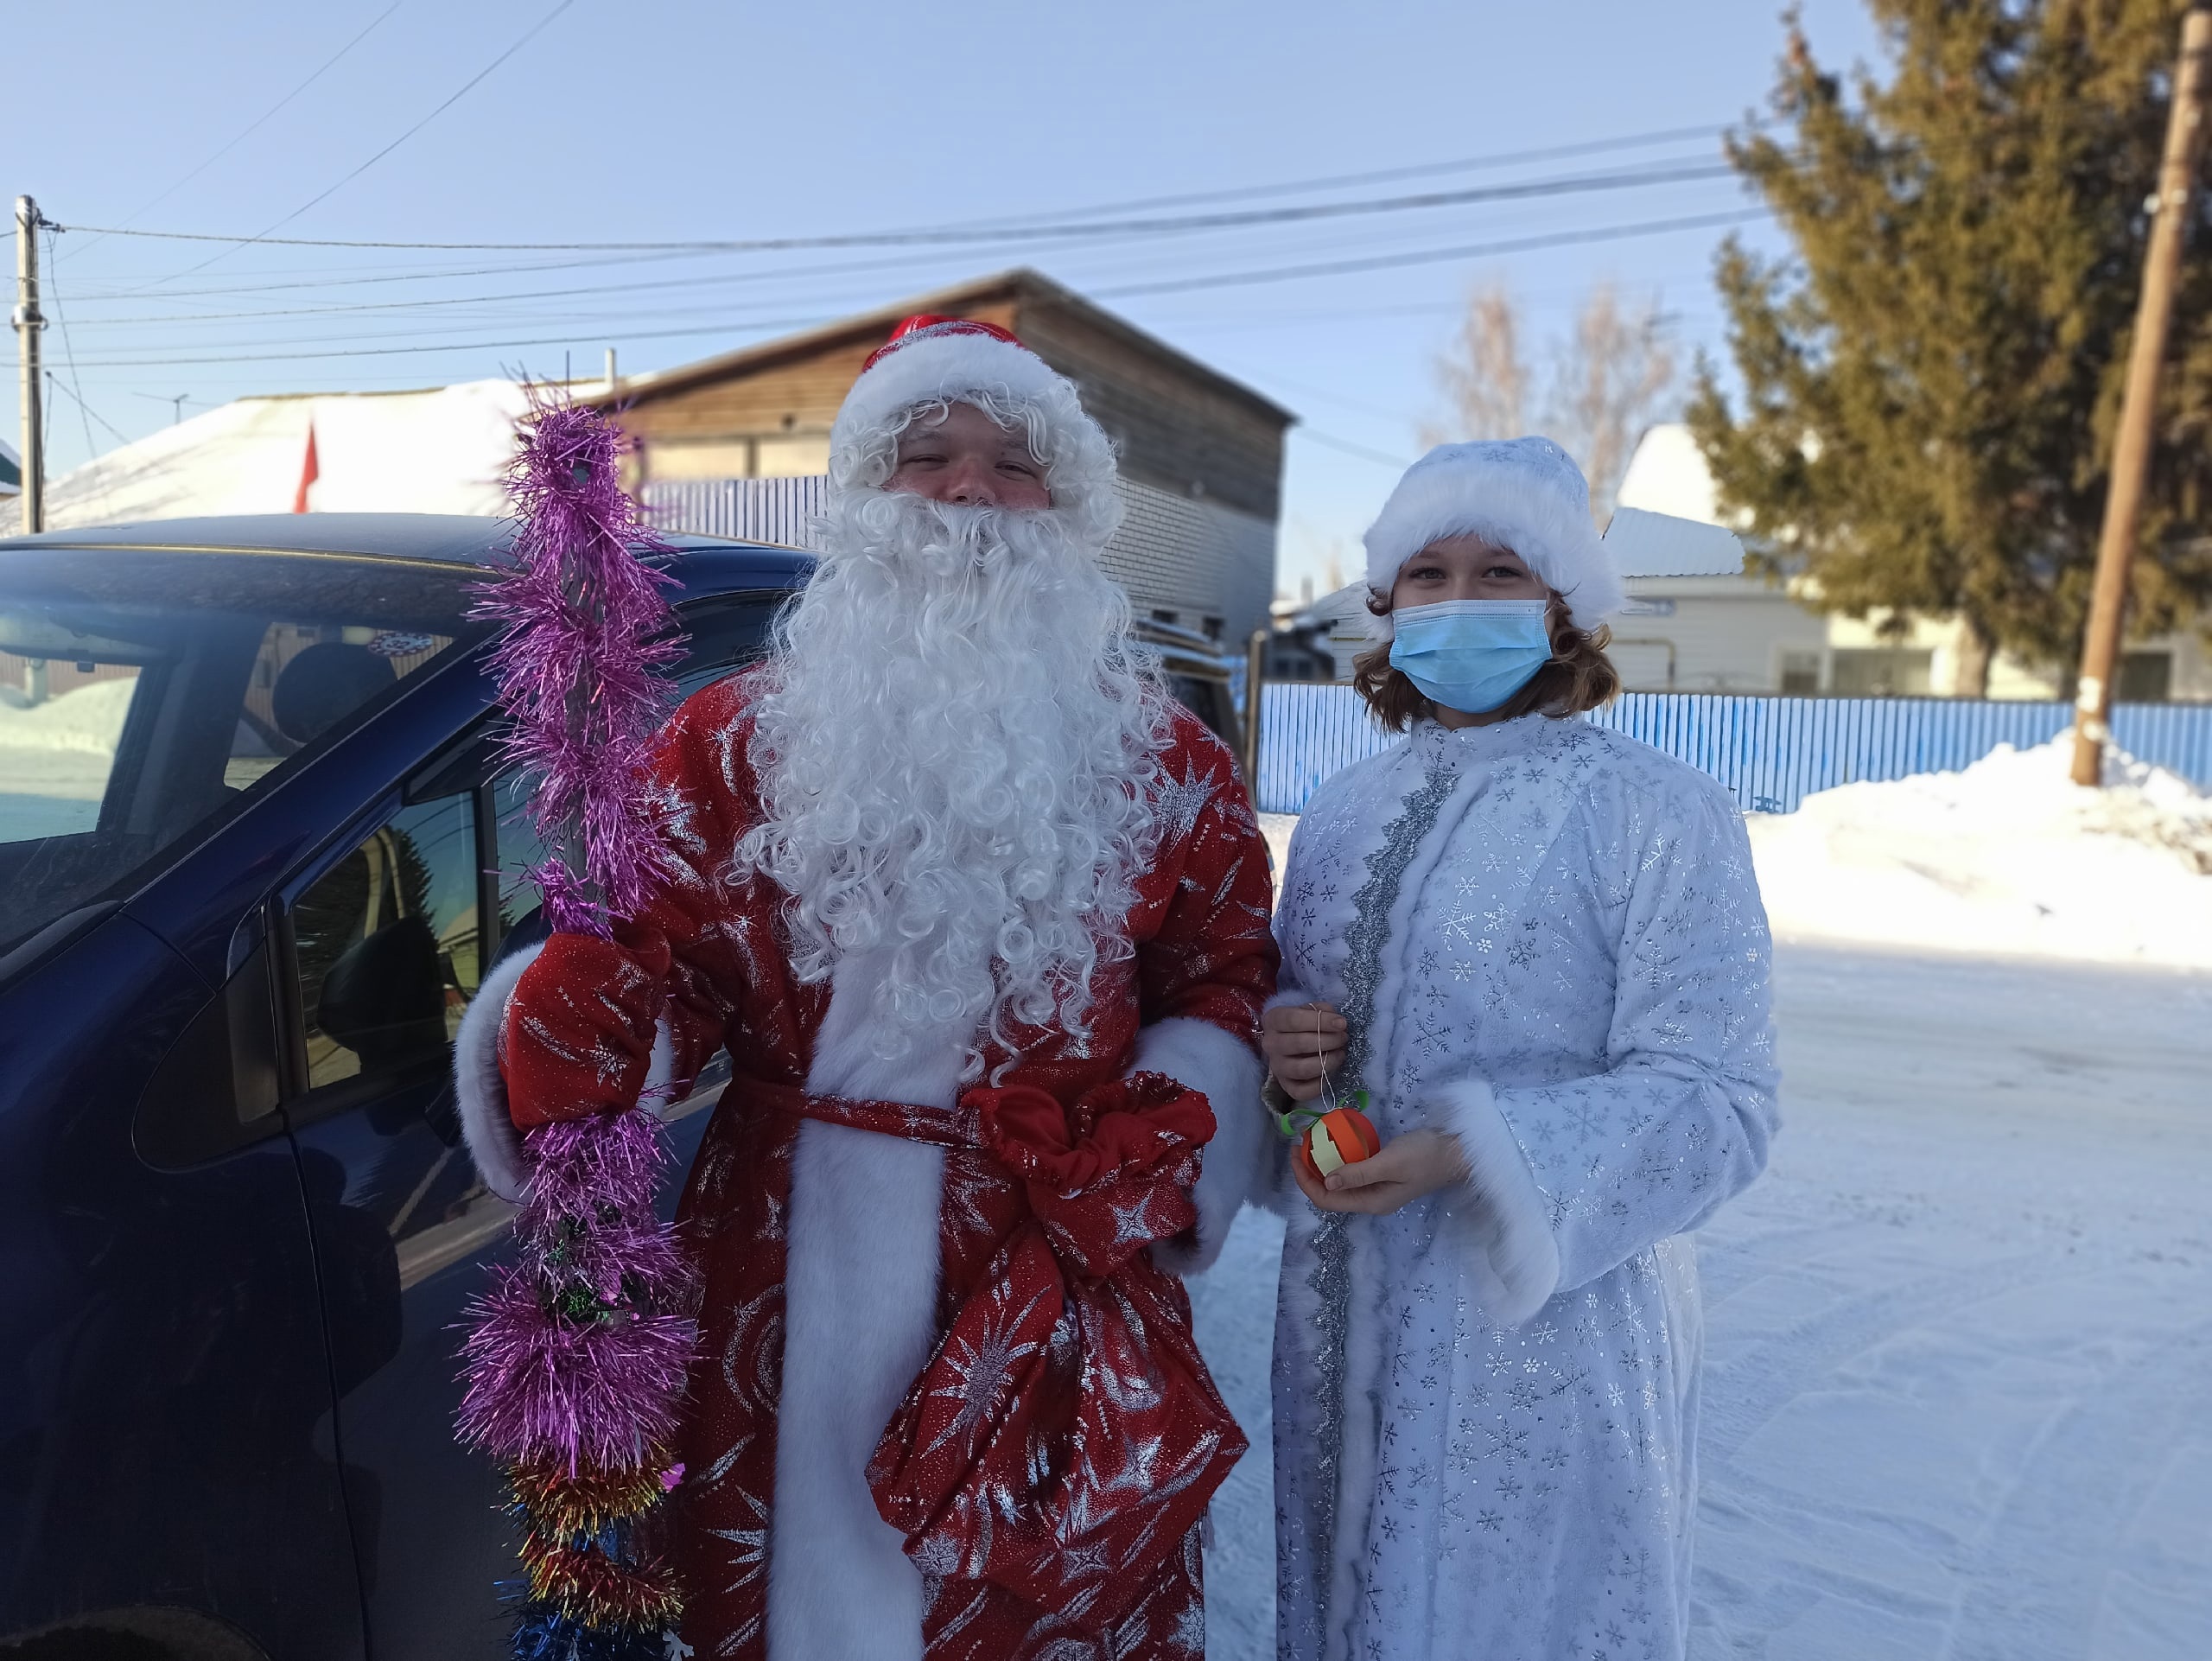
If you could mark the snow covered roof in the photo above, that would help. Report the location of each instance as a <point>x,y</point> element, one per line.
<point>440,451</point>
<point>1668,474</point>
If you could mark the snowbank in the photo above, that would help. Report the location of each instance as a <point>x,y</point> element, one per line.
<point>2009,857</point>
<point>87,719</point>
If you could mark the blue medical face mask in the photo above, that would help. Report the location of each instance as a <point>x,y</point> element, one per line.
<point>1471,655</point>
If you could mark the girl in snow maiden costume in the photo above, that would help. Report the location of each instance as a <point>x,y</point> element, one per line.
<point>1538,947</point>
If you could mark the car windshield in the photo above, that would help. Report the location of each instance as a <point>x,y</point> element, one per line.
<point>145,695</point>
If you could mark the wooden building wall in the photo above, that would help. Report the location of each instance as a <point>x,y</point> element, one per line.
<point>1177,431</point>
<point>778,413</point>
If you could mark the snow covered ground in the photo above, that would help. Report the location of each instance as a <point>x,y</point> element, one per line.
<point>1958,1390</point>
<point>56,758</point>
<point>2009,856</point>
<point>1959,1363</point>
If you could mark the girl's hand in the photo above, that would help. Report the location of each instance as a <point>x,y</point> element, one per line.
<point>1419,1162</point>
<point>1301,1043</point>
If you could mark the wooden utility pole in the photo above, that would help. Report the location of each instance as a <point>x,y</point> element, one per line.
<point>28,323</point>
<point>2131,455</point>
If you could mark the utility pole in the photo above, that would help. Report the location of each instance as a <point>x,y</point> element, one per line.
<point>28,322</point>
<point>2131,455</point>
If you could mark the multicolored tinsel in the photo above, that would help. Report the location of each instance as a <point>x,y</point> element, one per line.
<point>576,1355</point>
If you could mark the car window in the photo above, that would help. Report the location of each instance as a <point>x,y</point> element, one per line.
<point>386,946</point>
<point>145,695</point>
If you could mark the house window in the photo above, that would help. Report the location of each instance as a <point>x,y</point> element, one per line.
<point>1883,672</point>
<point>1801,674</point>
<point>1170,618</point>
<point>1212,626</point>
<point>2145,677</point>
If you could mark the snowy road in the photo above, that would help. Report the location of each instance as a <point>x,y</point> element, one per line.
<point>1958,1348</point>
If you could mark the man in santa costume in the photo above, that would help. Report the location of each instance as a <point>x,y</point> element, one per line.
<point>981,918</point>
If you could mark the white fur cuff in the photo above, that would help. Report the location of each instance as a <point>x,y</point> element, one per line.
<point>1225,1070</point>
<point>494,1141</point>
<point>1502,1211</point>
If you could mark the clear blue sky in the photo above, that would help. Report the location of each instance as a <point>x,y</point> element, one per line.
<point>675,119</point>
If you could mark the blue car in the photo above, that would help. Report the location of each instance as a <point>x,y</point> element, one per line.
<point>255,854</point>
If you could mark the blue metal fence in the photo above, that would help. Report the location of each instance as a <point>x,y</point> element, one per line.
<point>1771,752</point>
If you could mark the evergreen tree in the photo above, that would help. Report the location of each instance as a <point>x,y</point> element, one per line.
<point>1930,384</point>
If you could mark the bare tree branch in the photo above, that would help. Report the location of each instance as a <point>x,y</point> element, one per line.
<point>1485,375</point>
<point>1608,386</point>
<point>1607,382</point>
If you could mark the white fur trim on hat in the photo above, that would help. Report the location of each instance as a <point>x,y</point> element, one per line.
<point>1524,494</point>
<point>934,366</point>
<point>949,364</point>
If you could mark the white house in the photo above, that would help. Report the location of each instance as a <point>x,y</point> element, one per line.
<point>1747,634</point>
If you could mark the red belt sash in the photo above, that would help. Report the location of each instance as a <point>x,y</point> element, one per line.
<point>1065,1437</point>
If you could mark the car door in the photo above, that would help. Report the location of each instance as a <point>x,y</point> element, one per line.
<point>382,941</point>
<point>168,1468</point>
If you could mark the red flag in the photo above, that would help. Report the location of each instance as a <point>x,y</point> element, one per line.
<point>308,474</point>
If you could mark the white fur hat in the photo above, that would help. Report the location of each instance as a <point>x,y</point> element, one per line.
<point>1525,494</point>
<point>933,360</point>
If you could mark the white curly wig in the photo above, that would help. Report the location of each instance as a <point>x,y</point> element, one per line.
<point>957,744</point>
<point>934,362</point>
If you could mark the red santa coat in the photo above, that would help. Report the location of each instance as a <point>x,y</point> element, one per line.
<point>841,1262</point>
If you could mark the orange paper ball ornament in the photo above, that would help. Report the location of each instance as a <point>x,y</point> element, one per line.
<point>1342,1136</point>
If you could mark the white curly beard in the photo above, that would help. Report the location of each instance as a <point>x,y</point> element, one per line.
<point>957,754</point>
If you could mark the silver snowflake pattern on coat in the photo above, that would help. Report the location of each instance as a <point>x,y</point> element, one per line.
<point>1581,930</point>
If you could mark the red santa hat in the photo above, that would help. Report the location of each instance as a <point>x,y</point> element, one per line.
<point>931,359</point>
<point>1524,494</point>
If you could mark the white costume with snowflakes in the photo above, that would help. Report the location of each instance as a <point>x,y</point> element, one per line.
<point>1548,939</point>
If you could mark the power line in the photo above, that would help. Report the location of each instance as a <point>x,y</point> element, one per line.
<point>1575,184</point>
<point>68,351</point>
<point>86,409</point>
<point>453,346</point>
<point>1238,192</point>
<point>1422,169</point>
<point>255,126</point>
<point>466,87</point>
<point>1422,257</point>
<point>262,285</point>
<point>1350,448</point>
<point>841,268</point>
<point>1274,274</point>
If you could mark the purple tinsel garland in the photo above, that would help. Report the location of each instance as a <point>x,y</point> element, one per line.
<point>577,1355</point>
<point>588,633</point>
<point>544,1386</point>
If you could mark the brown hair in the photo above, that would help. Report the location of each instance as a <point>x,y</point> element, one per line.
<point>1578,677</point>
